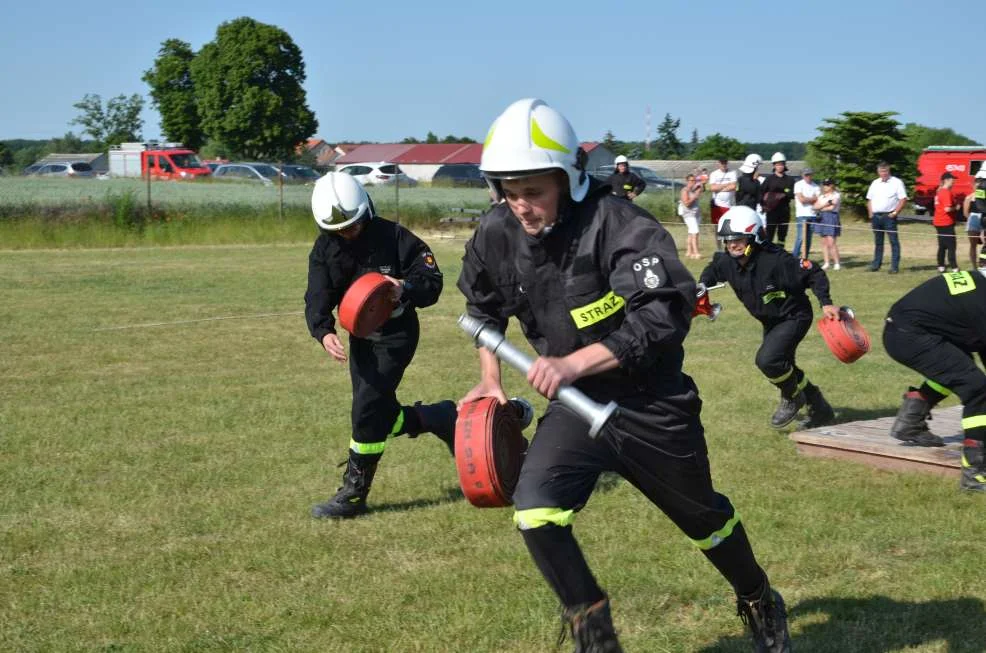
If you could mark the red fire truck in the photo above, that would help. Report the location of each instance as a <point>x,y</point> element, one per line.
<point>162,160</point>
<point>962,161</point>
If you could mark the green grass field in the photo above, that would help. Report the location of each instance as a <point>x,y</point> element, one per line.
<point>157,482</point>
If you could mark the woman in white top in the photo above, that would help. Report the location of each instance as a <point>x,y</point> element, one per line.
<point>689,212</point>
<point>828,226</point>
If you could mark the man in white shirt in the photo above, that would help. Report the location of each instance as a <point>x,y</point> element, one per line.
<point>722,183</point>
<point>884,201</point>
<point>806,191</point>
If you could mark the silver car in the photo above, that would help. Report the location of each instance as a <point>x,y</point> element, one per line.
<point>75,169</point>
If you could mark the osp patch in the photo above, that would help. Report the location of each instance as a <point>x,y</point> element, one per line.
<point>429,260</point>
<point>649,272</point>
<point>805,264</point>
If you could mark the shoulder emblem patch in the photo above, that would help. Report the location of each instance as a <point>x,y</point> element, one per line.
<point>805,264</point>
<point>649,272</point>
<point>429,260</point>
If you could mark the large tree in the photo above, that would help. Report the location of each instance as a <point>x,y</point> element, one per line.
<point>849,148</point>
<point>173,93</point>
<point>716,146</point>
<point>248,85</point>
<point>117,122</point>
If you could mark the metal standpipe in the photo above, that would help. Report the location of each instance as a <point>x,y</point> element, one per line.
<point>593,412</point>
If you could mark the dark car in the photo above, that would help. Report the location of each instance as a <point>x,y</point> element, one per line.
<point>459,175</point>
<point>653,182</point>
<point>262,172</point>
<point>299,174</point>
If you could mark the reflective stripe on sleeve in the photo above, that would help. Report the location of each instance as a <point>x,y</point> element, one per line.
<point>973,422</point>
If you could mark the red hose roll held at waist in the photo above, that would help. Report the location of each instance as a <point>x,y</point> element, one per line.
<point>489,450</point>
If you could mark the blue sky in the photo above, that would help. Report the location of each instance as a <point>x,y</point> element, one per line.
<point>383,70</point>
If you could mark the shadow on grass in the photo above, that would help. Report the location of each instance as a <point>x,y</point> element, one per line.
<point>877,625</point>
<point>843,415</point>
<point>452,495</point>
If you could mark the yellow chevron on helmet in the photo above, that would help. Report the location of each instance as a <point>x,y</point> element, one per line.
<point>530,138</point>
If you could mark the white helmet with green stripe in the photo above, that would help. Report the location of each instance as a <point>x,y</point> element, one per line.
<point>531,138</point>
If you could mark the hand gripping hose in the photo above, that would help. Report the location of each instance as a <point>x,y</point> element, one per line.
<point>595,414</point>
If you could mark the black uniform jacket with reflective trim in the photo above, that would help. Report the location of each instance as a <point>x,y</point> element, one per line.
<point>772,284</point>
<point>606,272</point>
<point>623,184</point>
<point>383,246</point>
<point>952,305</point>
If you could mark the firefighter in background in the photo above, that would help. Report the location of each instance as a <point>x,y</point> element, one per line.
<point>623,182</point>
<point>771,283</point>
<point>351,242</point>
<point>935,329</point>
<point>600,294</point>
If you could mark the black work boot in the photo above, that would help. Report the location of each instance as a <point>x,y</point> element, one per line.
<point>439,419</point>
<point>820,411</point>
<point>591,628</point>
<point>911,425</point>
<point>767,620</point>
<point>350,500</point>
<point>973,467</point>
<point>787,410</point>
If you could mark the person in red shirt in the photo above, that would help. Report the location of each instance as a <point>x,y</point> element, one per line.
<point>944,222</point>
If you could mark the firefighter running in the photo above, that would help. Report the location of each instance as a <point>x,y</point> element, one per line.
<point>771,283</point>
<point>935,329</point>
<point>353,241</point>
<point>559,255</point>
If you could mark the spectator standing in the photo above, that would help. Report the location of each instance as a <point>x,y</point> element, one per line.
<point>623,182</point>
<point>944,223</point>
<point>778,191</point>
<point>806,192</point>
<point>884,201</point>
<point>688,209</point>
<point>722,185</point>
<point>748,189</point>
<point>828,225</point>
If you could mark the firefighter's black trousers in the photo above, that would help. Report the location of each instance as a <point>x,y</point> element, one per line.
<point>662,452</point>
<point>775,358</point>
<point>376,367</point>
<point>947,364</point>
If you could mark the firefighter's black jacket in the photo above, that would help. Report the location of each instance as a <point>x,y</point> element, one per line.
<point>771,284</point>
<point>625,183</point>
<point>748,191</point>
<point>782,186</point>
<point>606,272</point>
<point>952,305</point>
<point>383,246</point>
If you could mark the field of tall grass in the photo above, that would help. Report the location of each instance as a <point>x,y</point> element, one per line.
<point>38,212</point>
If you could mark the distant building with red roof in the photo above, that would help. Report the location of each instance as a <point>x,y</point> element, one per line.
<point>420,161</point>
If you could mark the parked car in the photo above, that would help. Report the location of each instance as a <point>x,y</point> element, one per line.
<point>377,173</point>
<point>653,182</point>
<point>299,174</point>
<point>215,163</point>
<point>262,172</point>
<point>459,175</point>
<point>75,169</point>
<point>32,169</point>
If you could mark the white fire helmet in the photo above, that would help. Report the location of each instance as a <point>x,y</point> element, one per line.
<point>741,222</point>
<point>339,201</point>
<point>620,159</point>
<point>751,163</point>
<point>778,158</point>
<point>530,138</point>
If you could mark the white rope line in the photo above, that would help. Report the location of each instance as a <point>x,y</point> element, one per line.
<point>709,225</point>
<point>204,319</point>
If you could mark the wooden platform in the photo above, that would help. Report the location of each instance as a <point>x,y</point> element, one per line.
<point>869,442</point>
